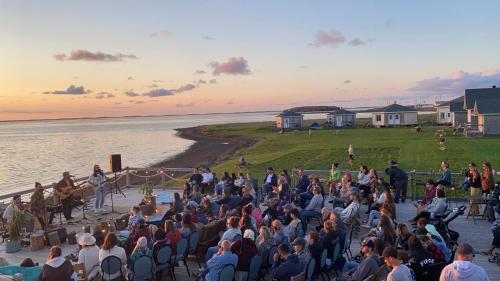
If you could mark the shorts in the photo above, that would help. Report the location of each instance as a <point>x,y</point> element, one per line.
<point>351,157</point>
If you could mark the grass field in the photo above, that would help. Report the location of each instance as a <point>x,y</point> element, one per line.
<point>372,146</point>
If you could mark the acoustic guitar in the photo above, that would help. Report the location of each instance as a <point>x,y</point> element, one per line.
<point>65,192</point>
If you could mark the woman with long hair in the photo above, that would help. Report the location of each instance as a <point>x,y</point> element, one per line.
<point>386,231</point>
<point>110,248</point>
<point>173,235</point>
<point>187,226</point>
<point>487,179</point>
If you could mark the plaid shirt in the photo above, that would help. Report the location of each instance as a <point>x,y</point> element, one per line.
<point>436,252</point>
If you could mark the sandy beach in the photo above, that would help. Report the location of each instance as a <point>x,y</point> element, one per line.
<point>207,150</point>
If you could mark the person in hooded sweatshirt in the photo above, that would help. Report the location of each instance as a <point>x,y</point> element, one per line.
<point>463,269</point>
<point>285,264</point>
<point>57,267</point>
<point>245,249</point>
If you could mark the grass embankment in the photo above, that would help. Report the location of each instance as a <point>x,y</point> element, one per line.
<point>372,146</point>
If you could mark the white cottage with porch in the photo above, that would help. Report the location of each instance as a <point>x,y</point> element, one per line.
<point>394,115</point>
<point>289,120</point>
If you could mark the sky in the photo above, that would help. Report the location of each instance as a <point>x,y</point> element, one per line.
<point>67,59</point>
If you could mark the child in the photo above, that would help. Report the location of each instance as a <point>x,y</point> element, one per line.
<point>135,215</point>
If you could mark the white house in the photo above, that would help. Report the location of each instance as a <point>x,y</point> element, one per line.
<point>394,115</point>
<point>341,118</point>
<point>289,120</point>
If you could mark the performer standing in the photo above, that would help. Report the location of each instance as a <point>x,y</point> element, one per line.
<point>62,187</point>
<point>98,180</point>
<point>38,207</point>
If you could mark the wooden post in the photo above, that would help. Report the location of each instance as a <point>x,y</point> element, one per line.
<point>163,181</point>
<point>127,177</point>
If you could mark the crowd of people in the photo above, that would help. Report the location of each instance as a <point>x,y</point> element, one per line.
<point>288,226</point>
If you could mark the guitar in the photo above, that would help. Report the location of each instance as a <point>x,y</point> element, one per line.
<point>65,192</point>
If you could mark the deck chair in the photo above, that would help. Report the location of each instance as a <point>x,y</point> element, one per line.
<point>309,272</point>
<point>255,263</point>
<point>112,269</point>
<point>162,256</point>
<point>193,240</point>
<point>181,249</point>
<point>142,269</point>
<point>227,273</point>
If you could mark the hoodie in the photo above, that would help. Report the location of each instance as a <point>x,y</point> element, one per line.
<point>245,249</point>
<point>58,268</point>
<point>284,270</point>
<point>463,271</point>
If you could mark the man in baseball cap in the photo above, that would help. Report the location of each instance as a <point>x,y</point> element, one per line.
<point>299,245</point>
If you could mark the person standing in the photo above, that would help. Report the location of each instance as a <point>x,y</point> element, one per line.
<point>463,268</point>
<point>62,187</point>
<point>350,153</point>
<point>445,178</point>
<point>38,207</point>
<point>399,180</point>
<point>98,181</point>
<point>487,179</point>
<point>270,181</point>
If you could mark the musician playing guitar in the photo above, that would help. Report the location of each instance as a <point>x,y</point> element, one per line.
<point>38,206</point>
<point>64,190</point>
<point>98,181</point>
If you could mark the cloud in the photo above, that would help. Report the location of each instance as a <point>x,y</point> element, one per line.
<point>131,93</point>
<point>212,81</point>
<point>157,81</point>
<point>130,78</point>
<point>208,38</point>
<point>162,34</point>
<point>185,88</point>
<point>332,38</point>
<point>456,82</point>
<point>200,72</point>
<point>153,86</point>
<point>71,90</point>
<point>303,67</point>
<point>347,81</point>
<point>229,102</point>
<point>356,42</point>
<point>139,102</point>
<point>190,104</point>
<point>201,81</point>
<point>85,55</point>
<point>117,103</point>
<point>104,95</point>
<point>233,66</point>
<point>159,93</point>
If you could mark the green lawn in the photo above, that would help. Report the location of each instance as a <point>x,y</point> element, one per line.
<point>372,147</point>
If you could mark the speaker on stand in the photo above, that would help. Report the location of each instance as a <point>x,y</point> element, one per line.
<point>115,166</point>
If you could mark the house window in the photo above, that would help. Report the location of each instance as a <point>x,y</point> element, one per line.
<point>390,116</point>
<point>396,116</point>
<point>449,114</point>
<point>378,118</point>
<point>442,115</point>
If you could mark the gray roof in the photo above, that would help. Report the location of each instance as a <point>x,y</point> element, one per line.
<point>342,112</point>
<point>396,108</point>
<point>457,105</point>
<point>472,95</point>
<point>289,114</point>
<point>488,106</point>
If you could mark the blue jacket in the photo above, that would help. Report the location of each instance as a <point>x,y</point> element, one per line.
<point>217,263</point>
<point>446,176</point>
<point>274,180</point>
<point>289,268</point>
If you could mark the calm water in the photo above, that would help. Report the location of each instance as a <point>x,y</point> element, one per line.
<point>41,150</point>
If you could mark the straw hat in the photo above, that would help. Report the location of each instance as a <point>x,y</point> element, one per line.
<point>86,240</point>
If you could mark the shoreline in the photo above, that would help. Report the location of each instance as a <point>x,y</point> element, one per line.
<point>207,150</point>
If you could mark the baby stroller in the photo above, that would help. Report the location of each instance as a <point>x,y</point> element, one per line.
<point>442,226</point>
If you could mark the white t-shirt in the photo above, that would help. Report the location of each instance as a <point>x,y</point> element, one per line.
<point>400,273</point>
<point>90,258</point>
<point>207,177</point>
<point>97,180</point>
<point>117,252</point>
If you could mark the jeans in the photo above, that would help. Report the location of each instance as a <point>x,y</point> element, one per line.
<point>100,194</point>
<point>349,266</point>
<point>401,190</point>
<point>373,215</point>
<point>466,185</point>
<point>266,188</point>
<point>67,206</point>
<point>211,252</point>
<point>304,196</point>
<point>193,204</point>
<point>308,214</point>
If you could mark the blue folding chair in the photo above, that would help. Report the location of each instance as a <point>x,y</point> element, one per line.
<point>227,273</point>
<point>255,263</point>
<point>310,269</point>
<point>194,238</point>
<point>142,269</point>
<point>324,268</point>
<point>162,257</point>
<point>111,268</point>
<point>181,249</point>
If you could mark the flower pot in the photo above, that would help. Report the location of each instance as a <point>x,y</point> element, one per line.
<point>150,200</point>
<point>12,246</point>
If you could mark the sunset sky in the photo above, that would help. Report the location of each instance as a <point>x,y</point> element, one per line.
<point>113,58</point>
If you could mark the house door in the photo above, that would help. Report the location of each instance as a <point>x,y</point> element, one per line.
<point>391,119</point>
<point>339,121</point>
<point>397,120</point>
<point>286,123</point>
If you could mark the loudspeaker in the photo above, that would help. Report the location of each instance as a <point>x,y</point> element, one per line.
<point>115,162</point>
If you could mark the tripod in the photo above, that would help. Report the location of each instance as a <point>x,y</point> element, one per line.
<point>117,189</point>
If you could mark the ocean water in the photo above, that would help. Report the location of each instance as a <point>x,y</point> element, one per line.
<point>41,150</point>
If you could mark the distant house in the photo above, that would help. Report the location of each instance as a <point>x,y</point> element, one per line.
<point>488,116</point>
<point>394,115</point>
<point>341,118</point>
<point>289,120</point>
<point>472,97</point>
<point>452,112</point>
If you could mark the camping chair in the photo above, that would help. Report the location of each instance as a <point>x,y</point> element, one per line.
<point>162,257</point>
<point>347,245</point>
<point>309,272</point>
<point>336,255</point>
<point>142,269</point>
<point>111,268</point>
<point>227,273</point>
<point>193,239</point>
<point>255,263</point>
<point>181,249</point>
